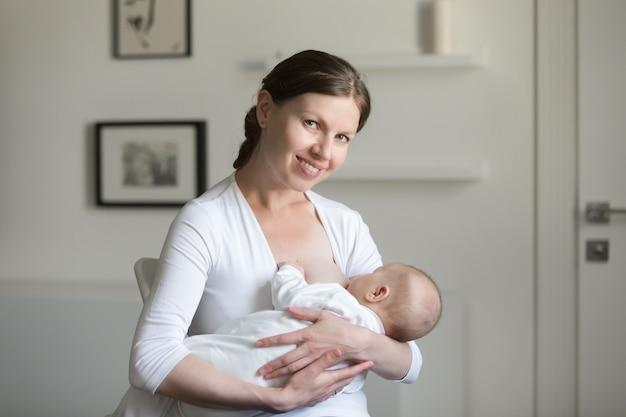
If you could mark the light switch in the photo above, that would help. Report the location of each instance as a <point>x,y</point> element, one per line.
<point>597,250</point>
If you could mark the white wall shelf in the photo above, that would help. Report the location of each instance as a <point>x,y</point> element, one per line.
<point>396,61</point>
<point>461,168</point>
<point>415,61</point>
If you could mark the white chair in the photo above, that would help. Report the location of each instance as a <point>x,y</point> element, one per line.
<point>145,269</point>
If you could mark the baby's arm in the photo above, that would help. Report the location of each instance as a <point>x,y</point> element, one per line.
<point>287,282</point>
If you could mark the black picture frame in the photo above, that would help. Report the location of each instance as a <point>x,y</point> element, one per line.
<point>150,163</point>
<point>151,29</point>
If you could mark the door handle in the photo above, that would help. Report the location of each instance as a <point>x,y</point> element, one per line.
<point>600,212</point>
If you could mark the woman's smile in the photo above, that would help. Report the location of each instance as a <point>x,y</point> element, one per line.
<point>308,168</point>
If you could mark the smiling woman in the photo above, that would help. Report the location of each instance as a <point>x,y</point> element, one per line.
<point>224,247</point>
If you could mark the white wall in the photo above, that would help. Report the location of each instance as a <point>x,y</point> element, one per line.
<point>57,78</point>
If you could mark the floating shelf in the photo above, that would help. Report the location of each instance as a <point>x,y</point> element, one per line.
<point>396,61</point>
<point>415,61</point>
<point>437,169</point>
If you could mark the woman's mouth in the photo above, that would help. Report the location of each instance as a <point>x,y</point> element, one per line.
<point>310,168</point>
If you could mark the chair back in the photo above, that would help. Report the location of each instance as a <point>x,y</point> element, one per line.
<point>145,270</point>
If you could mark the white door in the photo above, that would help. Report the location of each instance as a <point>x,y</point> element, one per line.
<point>602,290</point>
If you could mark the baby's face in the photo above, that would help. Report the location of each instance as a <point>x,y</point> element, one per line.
<point>359,286</point>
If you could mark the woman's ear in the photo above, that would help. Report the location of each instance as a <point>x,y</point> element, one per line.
<point>263,105</point>
<point>378,294</point>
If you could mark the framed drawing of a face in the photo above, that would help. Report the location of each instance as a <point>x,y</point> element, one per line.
<point>151,29</point>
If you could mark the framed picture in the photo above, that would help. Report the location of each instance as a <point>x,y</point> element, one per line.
<point>151,29</point>
<point>150,163</point>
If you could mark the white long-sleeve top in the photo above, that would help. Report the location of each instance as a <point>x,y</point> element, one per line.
<point>216,265</point>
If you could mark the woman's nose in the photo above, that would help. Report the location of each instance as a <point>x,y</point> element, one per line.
<point>324,148</point>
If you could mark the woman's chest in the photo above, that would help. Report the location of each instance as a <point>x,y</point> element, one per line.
<point>301,237</point>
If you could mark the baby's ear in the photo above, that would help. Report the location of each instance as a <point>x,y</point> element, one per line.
<point>379,294</point>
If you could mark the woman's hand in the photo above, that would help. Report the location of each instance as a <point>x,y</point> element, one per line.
<point>327,333</point>
<point>315,384</point>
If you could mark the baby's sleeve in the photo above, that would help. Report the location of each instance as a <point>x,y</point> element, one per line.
<point>286,284</point>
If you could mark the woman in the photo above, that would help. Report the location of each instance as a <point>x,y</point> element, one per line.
<point>223,248</point>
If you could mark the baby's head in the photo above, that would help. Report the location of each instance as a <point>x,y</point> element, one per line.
<point>405,298</point>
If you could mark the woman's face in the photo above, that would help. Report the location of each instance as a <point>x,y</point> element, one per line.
<point>305,139</point>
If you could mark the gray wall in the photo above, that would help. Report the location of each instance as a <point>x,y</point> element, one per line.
<point>67,349</point>
<point>64,349</point>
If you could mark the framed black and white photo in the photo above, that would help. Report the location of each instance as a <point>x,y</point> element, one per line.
<point>150,163</point>
<point>151,28</point>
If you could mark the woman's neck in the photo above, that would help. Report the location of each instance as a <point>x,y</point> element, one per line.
<point>262,194</point>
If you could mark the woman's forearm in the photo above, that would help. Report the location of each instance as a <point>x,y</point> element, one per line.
<point>197,382</point>
<point>392,359</point>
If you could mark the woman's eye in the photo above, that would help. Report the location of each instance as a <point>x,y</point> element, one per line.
<point>343,138</point>
<point>310,123</point>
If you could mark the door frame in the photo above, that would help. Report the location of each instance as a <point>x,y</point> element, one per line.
<point>556,208</point>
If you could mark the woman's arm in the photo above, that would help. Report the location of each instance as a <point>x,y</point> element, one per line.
<point>197,382</point>
<point>391,359</point>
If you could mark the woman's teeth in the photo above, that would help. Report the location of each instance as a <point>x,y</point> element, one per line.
<point>309,166</point>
